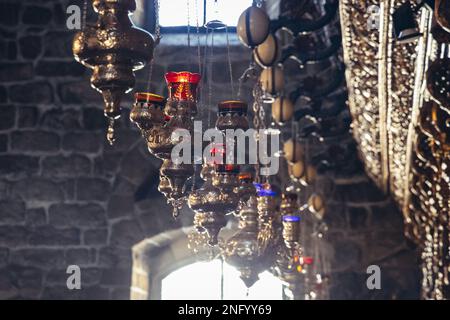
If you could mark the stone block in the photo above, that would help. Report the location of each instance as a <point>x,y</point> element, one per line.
<point>18,164</point>
<point>92,189</point>
<point>85,142</point>
<point>77,215</point>
<point>27,117</point>
<point>37,189</point>
<point>95,237</point>
<point>66,166</point>
<point>32,92</point>
<point>17,71</point>
<point>61,119</point>
<point>12,211</point>
<point>36,15</point>
<point>50,236</point>
<point>8,117</point>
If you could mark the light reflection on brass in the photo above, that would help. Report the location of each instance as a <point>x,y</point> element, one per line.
<point>113,48</point>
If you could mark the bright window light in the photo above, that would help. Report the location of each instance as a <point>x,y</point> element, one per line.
<point>202,281</point>
<point>174,13</point>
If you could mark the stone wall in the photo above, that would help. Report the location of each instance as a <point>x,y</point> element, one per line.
<point>67,197</point>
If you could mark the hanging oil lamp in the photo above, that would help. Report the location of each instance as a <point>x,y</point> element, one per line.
<point>226,177</point>
<point>242,250</point>
<point>232,114</point>
<point>211,204</point>
<point>288,269</point>
<point>291,230</point>
<point>113,48</point>
<point>147,111</point>
<point>290,219</point>
<point>267,215</point>
<point>245,189</point>
<point>179,110</point>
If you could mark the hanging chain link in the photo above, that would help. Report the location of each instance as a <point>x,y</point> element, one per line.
<point>258,122</point>
<point>198,39</point>
<point>84,18</point>
<point>210,73</point>
<point>188,26</point>
<point>157,40</point>
<point>157,26</point>
<point>230,67</point>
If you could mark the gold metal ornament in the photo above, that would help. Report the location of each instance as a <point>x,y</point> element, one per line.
<point>253,26</point>
<point>268,52</point>
<point>147,111</point>
<point>232,114</point>
<point>113,48</point>
<point>242,249</point>
<point>282,110</point>
<point>293,151</point>
<point>211,204</point>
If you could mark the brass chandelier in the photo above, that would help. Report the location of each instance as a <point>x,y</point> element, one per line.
<point>269,231</point>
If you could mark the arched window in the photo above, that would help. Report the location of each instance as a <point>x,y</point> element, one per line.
<point>218,281</point>
<point>227,11</point>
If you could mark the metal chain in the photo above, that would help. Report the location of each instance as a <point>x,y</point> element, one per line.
<point>157,26</point>
<point>257,106</point>
<point>157,39</point>
<point>188,27</point>
<point>210,73</point>
<point>198,39</point>
<point>230,68</point>
<point>84,21</point>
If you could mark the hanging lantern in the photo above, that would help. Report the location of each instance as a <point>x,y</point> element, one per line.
<point>293,151</point>
<point>268,52</point>
<point>272,80</point>
<point>242,249</point>
<point>268,217</point>
<point>291,230</point>
<point>253,26</point>
<point>147,111</point>
<point>316,206</point>
<point>113,48</point>
<point>290,219</point>
<point>177,174</point>
<point>226,177</point>
<point>232,114</point>
<point>211,205</point>
<point>182,86</point>
<point>282,110</point>
<point>179,111</point>
<point>214,22</point>
<point>288,206</point>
